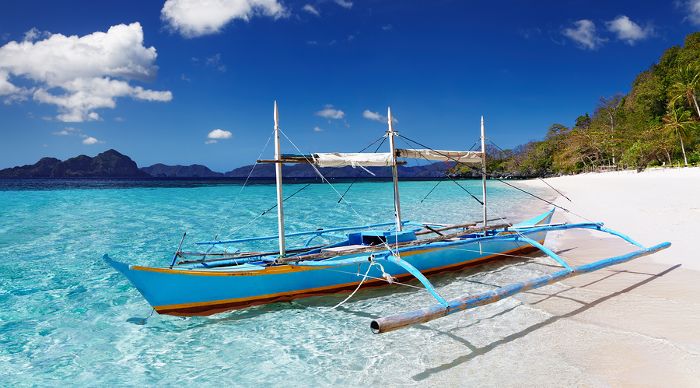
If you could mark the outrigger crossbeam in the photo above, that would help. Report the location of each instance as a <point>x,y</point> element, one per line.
<point>398,321</point>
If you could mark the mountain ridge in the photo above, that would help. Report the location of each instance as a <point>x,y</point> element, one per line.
<point>113,164</point>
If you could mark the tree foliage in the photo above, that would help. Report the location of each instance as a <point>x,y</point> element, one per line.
<point>656,123</point>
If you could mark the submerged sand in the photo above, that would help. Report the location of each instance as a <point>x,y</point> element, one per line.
<point>634,324</point>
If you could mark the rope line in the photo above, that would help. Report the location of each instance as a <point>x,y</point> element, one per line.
<point>369,267</point>
<point>499,179</point>
<point>543,181</point>
<point>238,195</point>
<point>383,138</point>
<point>323,179</point>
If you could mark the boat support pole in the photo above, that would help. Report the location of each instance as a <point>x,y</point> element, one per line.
<point>483,172</point>
<point>394,170</point>
<point>179,248</point>
<point>418,275</point>
<point>398,321</point>
<point>546,250</point>
<point>278,181</point>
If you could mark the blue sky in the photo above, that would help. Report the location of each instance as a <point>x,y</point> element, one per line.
<point>155,79</point>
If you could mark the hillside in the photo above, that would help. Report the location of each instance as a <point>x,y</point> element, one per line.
<point>656,123</point>
<point>109,164</point>
<point>160,170</point>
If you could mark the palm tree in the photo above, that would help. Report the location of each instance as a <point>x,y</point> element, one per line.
<point>687,81</point>
<point>678,121</point>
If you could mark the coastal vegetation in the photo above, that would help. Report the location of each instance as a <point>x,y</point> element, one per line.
<point>656,123</point>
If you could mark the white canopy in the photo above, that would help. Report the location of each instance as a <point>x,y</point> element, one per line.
<point>471,157</point>
<point>340,159</point>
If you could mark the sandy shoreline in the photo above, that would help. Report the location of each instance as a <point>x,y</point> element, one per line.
<point>649,308</point>
<point>634,324</point>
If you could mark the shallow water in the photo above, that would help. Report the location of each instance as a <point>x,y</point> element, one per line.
<point>65,316</point>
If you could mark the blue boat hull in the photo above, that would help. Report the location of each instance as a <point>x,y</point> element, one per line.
<point>205,291</point>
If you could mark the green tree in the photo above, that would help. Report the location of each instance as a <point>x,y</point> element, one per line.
<point>686,83</point>
<point>678,121</point>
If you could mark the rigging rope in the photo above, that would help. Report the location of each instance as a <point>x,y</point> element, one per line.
<point>369,267</point>
<point>543,181</point>
<point>289,196</point>
<point>323,179</point>
<point>383,138</point>
<point>238,195</point>
<point>498,179</point>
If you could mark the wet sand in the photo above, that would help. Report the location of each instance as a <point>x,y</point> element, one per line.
<point>634,324</point>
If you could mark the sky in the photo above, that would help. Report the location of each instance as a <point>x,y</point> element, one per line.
<point>193,81</point>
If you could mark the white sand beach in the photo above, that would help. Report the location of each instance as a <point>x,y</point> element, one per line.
<point>635,324</point>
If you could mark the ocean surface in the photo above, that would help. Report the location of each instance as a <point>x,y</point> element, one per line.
<point>66,317</point>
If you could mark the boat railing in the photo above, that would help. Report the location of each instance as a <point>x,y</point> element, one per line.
<point>318,232</point>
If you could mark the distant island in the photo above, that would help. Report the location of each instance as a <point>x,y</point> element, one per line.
<point>113,164</point>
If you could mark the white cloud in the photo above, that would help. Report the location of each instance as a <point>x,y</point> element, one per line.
<point>329,112</point>
<point>311,9</point>
<point>318,129</point>
<point>34,34</point>
<point>584,34</point>
<point>193,18</point>
<point>6,88</point>
<point>216,135</point>
<point>67,131</point>
<point>344,3</point>
<point>693,9</point>
<point>627,30</point>
<point>91,140</point>
<point>375,116</point>
<point>89,72</point>
<point>215,62</point>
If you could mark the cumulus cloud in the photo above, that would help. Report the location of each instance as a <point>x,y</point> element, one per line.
<point>91,140</point>
<point>628,31</point>
<point>71,131</point>
<point>34,33</point>
<point>88,72</point>
<point>375,116</point>
<point>584,34</point>
<point>218,134</point>
<point>331,113</point>
<point>192,18</point>
<point>311,9</point>
<point>318,129</point>
<point>344,3</point>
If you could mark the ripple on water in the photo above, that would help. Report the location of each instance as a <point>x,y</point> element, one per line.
<point>64,314</point>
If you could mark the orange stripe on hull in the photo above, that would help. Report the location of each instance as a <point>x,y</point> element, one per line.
<point>209,308</point>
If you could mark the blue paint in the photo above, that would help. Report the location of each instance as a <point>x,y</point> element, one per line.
<point>467,302</point>
<point>418,275</point>
<point>309,233</point>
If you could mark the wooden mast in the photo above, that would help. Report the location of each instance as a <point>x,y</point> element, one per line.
<point>483,171</point>
<point>278,179</point>
<point>394,171</point>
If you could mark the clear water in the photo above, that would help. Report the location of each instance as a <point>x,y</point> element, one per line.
<point>65,316</point>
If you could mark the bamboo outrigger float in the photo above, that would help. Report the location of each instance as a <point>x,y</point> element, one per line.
<point>204,283</point>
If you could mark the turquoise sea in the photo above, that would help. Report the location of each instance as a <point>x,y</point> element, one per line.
<point>67,318</point>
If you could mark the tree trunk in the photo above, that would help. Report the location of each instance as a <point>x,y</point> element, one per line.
<point>697,109</point>
<point>685,160</point>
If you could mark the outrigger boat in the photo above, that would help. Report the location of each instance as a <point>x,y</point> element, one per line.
<point>204,283</point>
